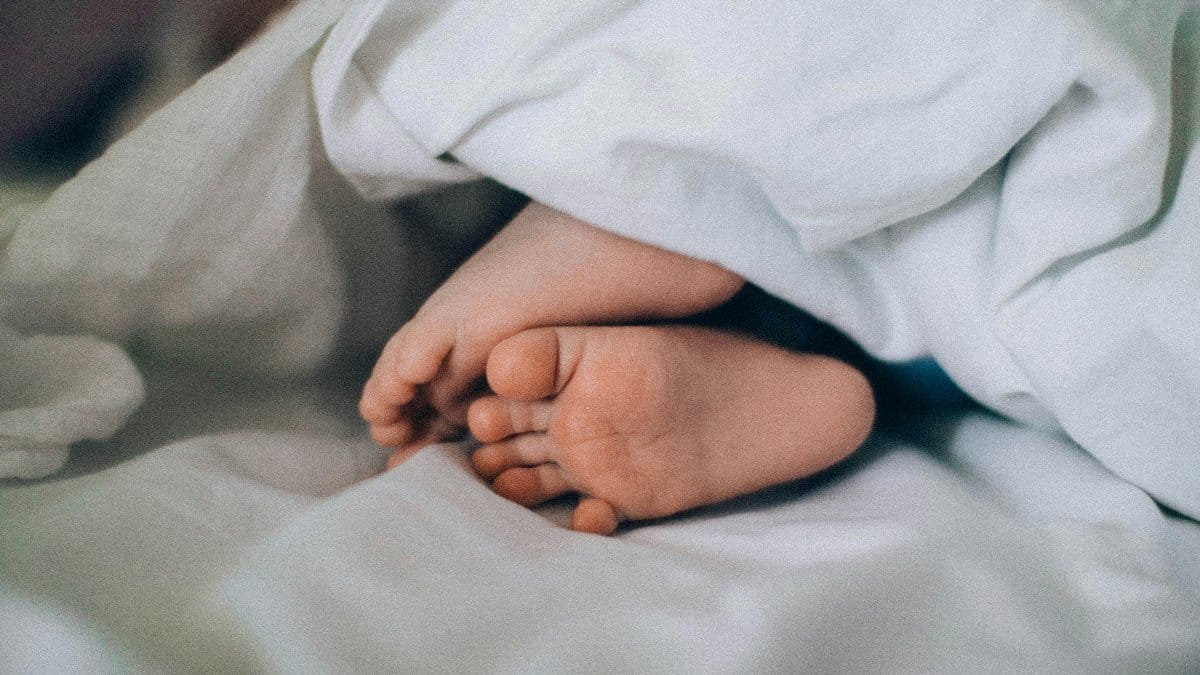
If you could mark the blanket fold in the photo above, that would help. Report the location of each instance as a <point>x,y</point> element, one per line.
<point>194,235</point>
<point>57,390</point>
<point>982,184</point>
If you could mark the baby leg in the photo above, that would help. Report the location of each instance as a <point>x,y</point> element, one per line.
<point>646,422</point>
<point>544,268</point>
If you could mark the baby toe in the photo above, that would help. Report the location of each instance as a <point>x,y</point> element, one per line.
<point>392,435</point>
<point>375,409</point>
<point>492,418</point>
<point>415,353</point>
<point>531,486</point>
<point>493,459</point>
<point>595,516</point>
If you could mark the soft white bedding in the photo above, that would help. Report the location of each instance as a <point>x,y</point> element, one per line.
<point>1015,194</point>
<point>979,546</point>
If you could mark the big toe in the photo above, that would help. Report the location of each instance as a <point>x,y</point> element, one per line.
<point>526,366</point>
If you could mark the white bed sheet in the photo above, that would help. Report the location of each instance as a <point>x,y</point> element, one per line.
<point>237,520</point>
<point>977,545</point>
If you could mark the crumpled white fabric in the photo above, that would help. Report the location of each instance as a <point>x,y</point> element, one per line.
<point>1010,187</point>
<point>193,238</point>
<point>58,390</point>
<point>985,546</point>
<point>976,544</point>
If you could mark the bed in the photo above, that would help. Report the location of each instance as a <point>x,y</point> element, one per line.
<point>1008,189</point>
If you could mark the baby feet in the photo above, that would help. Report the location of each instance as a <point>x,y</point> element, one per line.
<point>544,268</point>
<point>642,422</point>
<point>645,422</point>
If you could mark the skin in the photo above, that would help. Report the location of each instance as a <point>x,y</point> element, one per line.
<point>641,421</point>
<point>542,269</point>
<point>649,421</point>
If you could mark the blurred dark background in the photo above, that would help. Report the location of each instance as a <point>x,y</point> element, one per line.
<point>75,74</point>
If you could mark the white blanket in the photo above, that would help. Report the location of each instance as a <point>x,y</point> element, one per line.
<point>1010,187</point>
<point>979,546</point>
